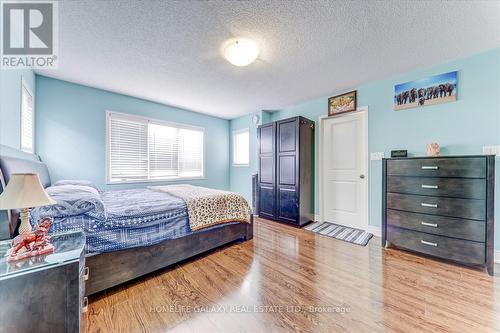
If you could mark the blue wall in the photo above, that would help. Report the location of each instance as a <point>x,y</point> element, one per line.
<point>71,132</point>
<point>10,104</point>
<point>461,127</point>
<point>241,176</point>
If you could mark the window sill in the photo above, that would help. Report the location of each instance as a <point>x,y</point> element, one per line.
<point>241,165</point>
<point>153,181</point>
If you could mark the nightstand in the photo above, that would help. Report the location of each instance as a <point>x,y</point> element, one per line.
<point>45,293</point>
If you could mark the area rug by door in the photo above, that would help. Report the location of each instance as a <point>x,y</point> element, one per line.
<point>351,235</point>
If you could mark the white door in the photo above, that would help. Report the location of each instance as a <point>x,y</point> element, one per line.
<point>344,182</point>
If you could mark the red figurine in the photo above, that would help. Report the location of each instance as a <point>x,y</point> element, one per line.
<point>32,243</point>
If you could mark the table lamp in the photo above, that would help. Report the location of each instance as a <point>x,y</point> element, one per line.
<point>24,191</point>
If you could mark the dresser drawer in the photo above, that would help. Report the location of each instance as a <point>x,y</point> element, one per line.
<point>437,225</point>
<point>447,187</point>
<point>438,167</point>
<point>439,246</point>
<point>453,207</point>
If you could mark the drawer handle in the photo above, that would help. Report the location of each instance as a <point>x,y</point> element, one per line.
<point>86,273</point>
<point>434,225</point>
<point>428,243</point>
<point>435,187</point>
<point>85,304</point>
<point>430,167</point>
<point>423,204</point>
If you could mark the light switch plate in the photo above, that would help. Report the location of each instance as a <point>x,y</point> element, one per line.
<point>377,156</point>
<point>491,150</point>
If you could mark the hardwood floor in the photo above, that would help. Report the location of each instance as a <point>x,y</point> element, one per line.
<point>290,280</point>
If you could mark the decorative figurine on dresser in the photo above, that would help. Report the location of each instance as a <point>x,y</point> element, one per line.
<point>31,244</point>
<point>286,170</point>
<point>441,206</point>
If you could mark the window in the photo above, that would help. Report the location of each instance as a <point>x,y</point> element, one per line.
<point>141,149</point>
<point>241,147</point>
<point>27,118</point>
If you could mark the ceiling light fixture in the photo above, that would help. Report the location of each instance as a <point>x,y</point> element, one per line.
<point>241,52</point>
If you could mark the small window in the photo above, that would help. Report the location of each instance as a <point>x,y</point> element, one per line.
<point>144,150</point>
<point>241,147</point>
<point>27,118</point>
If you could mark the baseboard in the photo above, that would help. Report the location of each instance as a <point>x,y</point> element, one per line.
<point>374,230</point>
<point>497,256</point>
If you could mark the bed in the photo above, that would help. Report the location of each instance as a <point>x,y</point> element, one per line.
<point>129,232</point>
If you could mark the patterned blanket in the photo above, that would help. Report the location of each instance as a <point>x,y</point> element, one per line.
<point>208,207</point>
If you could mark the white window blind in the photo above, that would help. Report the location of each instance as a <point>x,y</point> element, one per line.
<point>241,147</point>
<point>141,149</point>
<point>128,150</point>
<point>27,119</point>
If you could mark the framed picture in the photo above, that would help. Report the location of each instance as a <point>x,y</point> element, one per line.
<point>433,90</point>
<point>342,103</point>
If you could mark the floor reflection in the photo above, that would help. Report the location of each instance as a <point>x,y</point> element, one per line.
<point>290,280</point>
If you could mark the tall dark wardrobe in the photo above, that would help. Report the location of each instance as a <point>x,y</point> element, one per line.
<point>286,170</point>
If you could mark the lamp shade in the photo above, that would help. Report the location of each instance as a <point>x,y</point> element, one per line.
<point>24,190</point>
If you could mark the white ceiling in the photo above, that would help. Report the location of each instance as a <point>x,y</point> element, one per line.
<point>169,51</point>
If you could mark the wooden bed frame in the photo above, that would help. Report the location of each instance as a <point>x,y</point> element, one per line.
<point>109,269</point>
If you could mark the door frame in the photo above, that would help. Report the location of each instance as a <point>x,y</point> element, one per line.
<point>363,111</point>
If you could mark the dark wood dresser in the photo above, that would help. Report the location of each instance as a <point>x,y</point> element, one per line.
<point>441,207</point>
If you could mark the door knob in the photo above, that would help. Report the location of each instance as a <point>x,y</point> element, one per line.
<point>362,176</point>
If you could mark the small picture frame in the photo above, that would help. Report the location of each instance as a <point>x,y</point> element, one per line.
<point>342,103</point>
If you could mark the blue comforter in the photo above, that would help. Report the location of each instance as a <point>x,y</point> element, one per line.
<point>126,218</point>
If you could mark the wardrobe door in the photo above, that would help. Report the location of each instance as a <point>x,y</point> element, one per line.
<point>287,170</point>
<point>267,171</point>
